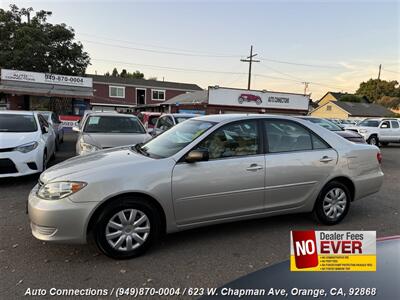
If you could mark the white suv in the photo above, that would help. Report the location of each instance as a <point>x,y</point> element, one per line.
<point>379,131</point>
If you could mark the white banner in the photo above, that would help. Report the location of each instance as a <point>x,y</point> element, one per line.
<point>35,77</point>
<point>258,99</point>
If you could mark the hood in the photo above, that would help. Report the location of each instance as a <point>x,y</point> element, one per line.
<point>348,134</point>
<point>15,139</point>
<point>109,140</point>
<point>92,163</point>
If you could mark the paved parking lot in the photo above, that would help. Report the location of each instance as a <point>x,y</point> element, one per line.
<point>206,257</point>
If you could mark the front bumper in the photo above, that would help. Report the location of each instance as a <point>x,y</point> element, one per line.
<point>19,163</point>
<point>59,220</point>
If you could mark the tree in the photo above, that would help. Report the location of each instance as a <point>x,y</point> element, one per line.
<point>115,73</point>
<point>32,44</point>
<point>351,98</point>
<point>124,74</point>
<point>375,89</point>
<point>390,102</point>
<point>136,74</point>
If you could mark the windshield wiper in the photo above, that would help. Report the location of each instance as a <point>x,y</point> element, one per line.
<point>139,149</point>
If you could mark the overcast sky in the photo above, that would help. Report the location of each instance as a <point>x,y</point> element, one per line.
<point>332,44</point>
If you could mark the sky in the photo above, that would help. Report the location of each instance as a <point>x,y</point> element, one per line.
<point>333,45</point>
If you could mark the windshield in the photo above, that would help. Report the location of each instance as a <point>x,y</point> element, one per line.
<point>17,123</point>
<point>369,123</point>
<point>325,123</point>
<point>176,138</point>
<point>113,124</point>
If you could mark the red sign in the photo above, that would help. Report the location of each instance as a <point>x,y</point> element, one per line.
<point>305,249</point>
<point>69,121</point>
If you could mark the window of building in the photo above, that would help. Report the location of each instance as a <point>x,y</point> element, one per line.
<point>158,95</point>
<point>329,107</point>
<point>117,91</point>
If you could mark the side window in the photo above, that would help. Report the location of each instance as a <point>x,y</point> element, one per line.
<point>55,119</point>
<point>237,139</point>
<point>395,124</point>
<point>284,136</point>
<point>385,125</point>
<point>160,123</point>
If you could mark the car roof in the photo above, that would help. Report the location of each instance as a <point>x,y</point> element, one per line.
<point>181,115</point>
<point>17,112</point>
<point>150,113</point>
<point>237,117</point>
<point>109,114</point>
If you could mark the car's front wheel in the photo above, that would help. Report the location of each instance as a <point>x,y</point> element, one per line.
<point>373,140</point>
<point>127,228</point>
<point>333,203</point>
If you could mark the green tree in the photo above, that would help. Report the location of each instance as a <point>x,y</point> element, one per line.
<point>136,74</point>
<point>31,43</point>
<point>115,72</point>
<point>390,102</point>
<point>351,98</point>
<point>124,73</point>
<point>375,89</point>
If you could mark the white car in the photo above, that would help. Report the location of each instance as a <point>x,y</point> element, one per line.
<point>27,143</point>
<point>378,130</point>
<point>53,119</point>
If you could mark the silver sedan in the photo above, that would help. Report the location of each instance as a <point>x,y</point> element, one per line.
<point>207,170</point>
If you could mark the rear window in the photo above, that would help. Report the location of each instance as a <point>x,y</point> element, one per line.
<point>113,124</point>
<point>17,123</point>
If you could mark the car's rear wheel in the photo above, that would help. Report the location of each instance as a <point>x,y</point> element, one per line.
<point>127,228</point>
<point>373,140</point>
<point>333,203</point>
<point>240,100</point>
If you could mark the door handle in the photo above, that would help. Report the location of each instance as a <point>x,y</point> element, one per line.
<point>326,159</point>
<point>254,167</point>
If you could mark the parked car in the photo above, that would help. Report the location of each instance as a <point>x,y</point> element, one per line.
<point>53,119</point>
<point>167,121</point>
<point>206,170</point>
<point>249,98</point>
<point>347,134</point>
<point>148,119</point>
<point>106,130</point>
<point>27,142</point>
<point>379,131</point>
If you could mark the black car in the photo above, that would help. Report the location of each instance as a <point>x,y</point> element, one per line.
<point>350,135</point>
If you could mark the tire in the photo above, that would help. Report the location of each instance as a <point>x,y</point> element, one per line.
<point>373,140</point>
<point>258,101</point>
<point>326,214</point>
<point>124,240</point>
<point>240,100</point>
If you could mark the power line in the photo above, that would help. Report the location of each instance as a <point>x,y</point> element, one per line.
<point>390,71</point>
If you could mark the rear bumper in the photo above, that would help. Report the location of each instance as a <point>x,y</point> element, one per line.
<point>368,184</point>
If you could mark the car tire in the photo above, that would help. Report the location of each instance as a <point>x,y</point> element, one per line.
<point>333,203</point>
<point>120,238</point>
<point>258,101</point>
<point>241,100</point>
<point>373,140</point>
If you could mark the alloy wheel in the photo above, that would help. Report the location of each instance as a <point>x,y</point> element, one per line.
<point>334,203</point>
<point>127,230</point>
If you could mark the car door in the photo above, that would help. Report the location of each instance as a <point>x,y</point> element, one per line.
<point>296,162</point>
<point>385,131</point>
<point>230,183</point>
<point>395,136</point>
<point>46,136</point>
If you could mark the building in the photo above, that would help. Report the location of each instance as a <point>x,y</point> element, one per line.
<point>220,100</point>
<point>66,95</point>
<point>336,96</point>
<point>345,110</point>
<point>129,94</point>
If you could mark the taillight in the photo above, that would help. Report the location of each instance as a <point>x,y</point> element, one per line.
<point>379,157</point>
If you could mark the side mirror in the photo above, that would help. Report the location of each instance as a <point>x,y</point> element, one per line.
<point>384,125</point>
<point>197,155</point>
<point>45,129</point>
<point>75,128</point>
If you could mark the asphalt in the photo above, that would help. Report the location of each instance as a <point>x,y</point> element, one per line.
<point>204,258</point>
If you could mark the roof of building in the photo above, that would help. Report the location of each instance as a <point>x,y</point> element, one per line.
<point>144,82</point>
<point>364,109</point>
<point>189,98</point>
<point>339,95</point>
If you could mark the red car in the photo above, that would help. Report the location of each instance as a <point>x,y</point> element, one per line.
<point>249,98</point>
<point>148,119</point>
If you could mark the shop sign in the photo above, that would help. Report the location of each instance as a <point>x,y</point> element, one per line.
<point>257,99</point>
<point>47,78</point>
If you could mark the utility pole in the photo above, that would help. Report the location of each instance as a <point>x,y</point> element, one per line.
<point>250,60</point>
<point>306,83</point>
<point>379,73</point>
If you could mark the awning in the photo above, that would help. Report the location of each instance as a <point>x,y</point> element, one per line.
<point>11,89</point>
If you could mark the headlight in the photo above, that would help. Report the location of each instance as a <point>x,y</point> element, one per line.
<point>363,131</point>
<point>88,148</point>
<point>25,148</point>
<point>59,190</point>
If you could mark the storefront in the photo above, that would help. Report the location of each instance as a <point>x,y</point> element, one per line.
<point>66,95</point>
